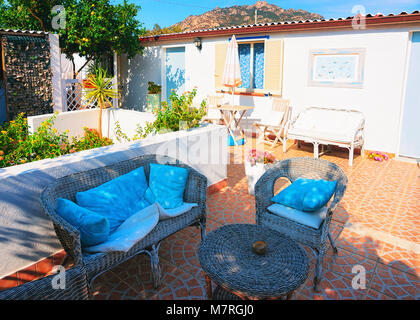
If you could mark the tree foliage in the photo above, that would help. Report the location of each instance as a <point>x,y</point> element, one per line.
<point>93,28</point>
<point>157,30</point>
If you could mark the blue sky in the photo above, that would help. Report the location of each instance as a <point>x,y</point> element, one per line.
<point>168,12</point>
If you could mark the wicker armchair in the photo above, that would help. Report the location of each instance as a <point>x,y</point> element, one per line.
<point>76,288</point>
<point>292,169</point>
<point>97,264</point>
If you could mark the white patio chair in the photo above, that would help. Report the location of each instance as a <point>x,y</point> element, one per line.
<point>273,123</point>
<point>213,115</point>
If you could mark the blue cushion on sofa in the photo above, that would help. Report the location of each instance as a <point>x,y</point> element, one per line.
<point>93,228</point>
<point>117,199</point>
<point>167,185</point>
<point>306,194</point>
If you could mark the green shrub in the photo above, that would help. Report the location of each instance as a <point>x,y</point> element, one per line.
<point>180,115</point>
<point>17,146</point>
<point>153,88</point>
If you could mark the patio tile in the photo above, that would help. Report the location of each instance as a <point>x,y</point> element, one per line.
<point>359,244</point>
<point>9,281</point>
<point>109,286</point>
<point>372,294</point>
<point>400,258</point>
<point>181,250</point>
<point>332,287</point>
<point>228,207</point>
<point>28,274</point>
<point>395,283</point>
<point>344,261</point>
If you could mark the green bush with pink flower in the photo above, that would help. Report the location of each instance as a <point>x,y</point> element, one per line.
<point>18,147</point>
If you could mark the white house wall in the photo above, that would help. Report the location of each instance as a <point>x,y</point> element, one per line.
<point>379,99</point>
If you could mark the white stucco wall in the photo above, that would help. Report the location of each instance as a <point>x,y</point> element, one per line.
<point>74,121</point>
<point>27,235</point>
<point>379,99</point>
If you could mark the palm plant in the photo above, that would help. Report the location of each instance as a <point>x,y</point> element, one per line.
<point>101,88</point>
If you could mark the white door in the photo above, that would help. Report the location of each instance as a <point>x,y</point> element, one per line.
<point>410,126</point>
<point>175,70</point>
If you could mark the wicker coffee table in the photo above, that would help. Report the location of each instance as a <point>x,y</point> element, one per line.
<point>227,258</point>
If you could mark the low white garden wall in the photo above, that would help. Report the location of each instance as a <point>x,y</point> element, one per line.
<point>74,121</point>
<point>27,235</point>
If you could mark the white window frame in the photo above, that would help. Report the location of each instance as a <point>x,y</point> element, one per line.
<point>251,89</point>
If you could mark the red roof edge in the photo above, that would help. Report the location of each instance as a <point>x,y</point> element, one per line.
<point>288,26</point>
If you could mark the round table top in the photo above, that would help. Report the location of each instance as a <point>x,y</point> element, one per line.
<point>226,255</point>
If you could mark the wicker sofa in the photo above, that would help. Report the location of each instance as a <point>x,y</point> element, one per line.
<point>96,264</point>
<point>292,169</point>
<point>323,126</point>
<point>76,288</point>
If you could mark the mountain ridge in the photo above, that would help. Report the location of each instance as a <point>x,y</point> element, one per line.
<point>243,15</point>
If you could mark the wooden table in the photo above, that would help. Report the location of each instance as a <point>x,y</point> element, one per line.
<point>229,116</point>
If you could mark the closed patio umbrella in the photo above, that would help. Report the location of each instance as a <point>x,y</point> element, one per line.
<point>232,71</point>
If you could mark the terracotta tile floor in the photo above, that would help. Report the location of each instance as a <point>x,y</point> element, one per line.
<point>376,226</point>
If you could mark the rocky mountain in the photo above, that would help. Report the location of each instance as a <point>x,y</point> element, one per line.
<point>242,15</point>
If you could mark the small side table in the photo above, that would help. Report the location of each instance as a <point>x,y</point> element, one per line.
<point>227,258</point>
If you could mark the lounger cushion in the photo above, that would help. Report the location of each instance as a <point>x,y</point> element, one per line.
<point>172,213</point>
<point>93,228</point>
<point>131,231</point>
<point>117,199</point>
<point>167,185</point>
<point>306,194</point>
<point>334,125</point>
<point>321,135</point>
<point>310,219</point>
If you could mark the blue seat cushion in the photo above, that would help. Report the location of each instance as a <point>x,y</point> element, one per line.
<point>93,228</point>
<point>310,219</point>
<point>167,185</point>
<point>117,199</point>
<point>306,194</point>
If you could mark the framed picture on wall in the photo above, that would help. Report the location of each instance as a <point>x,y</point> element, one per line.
<point>342,68</point>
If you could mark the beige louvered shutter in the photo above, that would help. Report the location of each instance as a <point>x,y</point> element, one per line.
<point>273,69</point>
<point>220,58</point>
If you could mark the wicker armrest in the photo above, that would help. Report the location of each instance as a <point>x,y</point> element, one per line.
<point>68,235</point>
<point>196,189</point>
<point>264,188</point>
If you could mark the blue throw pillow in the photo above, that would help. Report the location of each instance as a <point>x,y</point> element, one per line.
<point>167,185</point>
<point>306,194</point>
<point>117,199</point>
<point>93,228</point>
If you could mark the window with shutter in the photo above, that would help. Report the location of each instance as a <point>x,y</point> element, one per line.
<point>261,66</point>
<point>273,80</point>
<point>220,58</point>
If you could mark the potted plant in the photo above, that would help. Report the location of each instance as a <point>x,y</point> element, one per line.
<point>256,164</point>
<point>153,96</point>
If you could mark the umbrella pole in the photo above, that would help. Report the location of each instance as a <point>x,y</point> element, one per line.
<point>233,115</point>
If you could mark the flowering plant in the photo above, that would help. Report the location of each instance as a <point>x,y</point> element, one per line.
<point>17,146</point>
<point>257,156</point>
<point>378,156</point>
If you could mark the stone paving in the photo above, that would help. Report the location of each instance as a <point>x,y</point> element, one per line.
<point>376,226</point>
